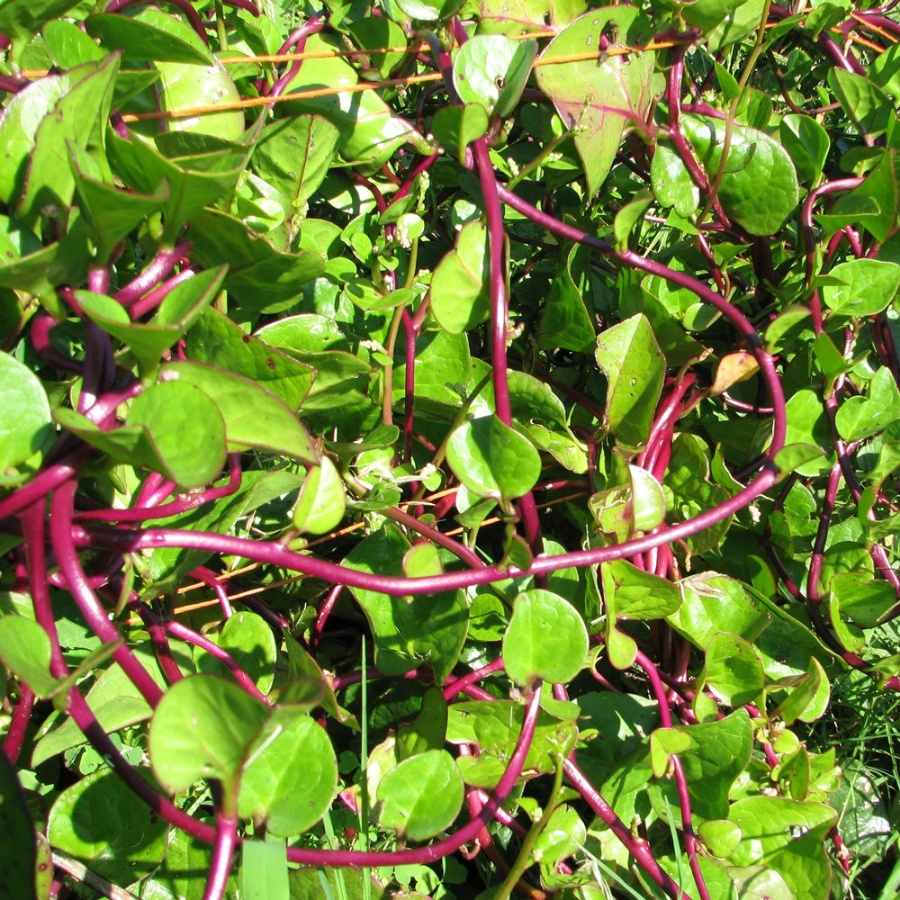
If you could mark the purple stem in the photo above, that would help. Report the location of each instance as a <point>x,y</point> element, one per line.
<point>499,299</point>
<point>682,279</point>
<point>41,326</point>
<point>189,636</point>
<point>637,847</point>
<point>665,718</point>
<point>277,554</point>
<point>457,685</point>
<point>165,260</point>
<point>296,39</point>
<point>95,615</point>
<point>223,855</point>
<point>15,736</point>
<point>184,503</point>
<point>141,307</point>
<point>44,482</point>
<point>211,580</point>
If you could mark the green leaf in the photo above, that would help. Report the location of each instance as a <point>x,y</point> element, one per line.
<point>260,278</point>
<point>754,159</point>
<point>809,695</point>
<point>459,287</point>
<point>599,98</point>
<point>171,428</point>
<point>264,870</point>
<point>808,144</point>
<point>143,41</point>
<point>492,459</point>
<point>253,417</point>
<point>707,14</point>
<point>863,101</point>
<point>102,822</point>
<point>248,638</point>
<point>491,69</point>
<point>18,859</point>
<point>68,45</point>
<point>422,796</point>
<point>546,639</point>
<point>713,756</point>
<point>635,594</point>
<point>370,132</point>
<point>409,631</point>
<point>26,651</point>
<point>873,205</point>
<point>734,670</point>
<point>293,155</point>
<point>322,501</point>
<point>20,20</point>
<point>494,727</point>
<point>455,127</point>
<point>861,287</point>
<point>861,417</point>
<point>291,773</point>
<point>204,727</point>
<point>428,731</point>
<point>143,168</point>
<point>113,213</point>
<point>629,355</point>
<point>672,182</point>
<point>182,305</point>
<point>565,321</point>
<point>216,340</point>
<point>634,508</point>
<point>79,118</point>
<point>787,836</point>
<point>25,421</point>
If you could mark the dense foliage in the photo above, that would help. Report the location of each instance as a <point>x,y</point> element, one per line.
<point>449,449</point>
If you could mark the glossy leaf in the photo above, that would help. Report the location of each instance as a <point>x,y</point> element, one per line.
<point>421,796</point>
<point>861,287</point>
<point>734,670</point>
<point>460,297</point>
<point>455,127</point>
<point>248,639</point>
<point>260,277</point>
<point>24,413</point>
<point>103,823</point>
<point>26,651</point>
<point>492,70</point>
<point>629,355</point>
<point>171,428</point>
<point>142,40</point>
<point>264,870</point>
<point>807,142</point>
<point>204,727</point>
<point>494,726</point>
<point>753,159</point>
<point>492,459</point>
<point>786,836</point>
<point>861,417</point>
<point>370,133</point>
<point>217,341</point>
<point>599,98</point>
<point>546,639</point>
<point>412,631</point>
<point>291,773</point>
<point>78,117</point>
<point>253,417</point>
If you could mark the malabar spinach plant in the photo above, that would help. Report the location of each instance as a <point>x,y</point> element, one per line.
<point>449,449</point>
